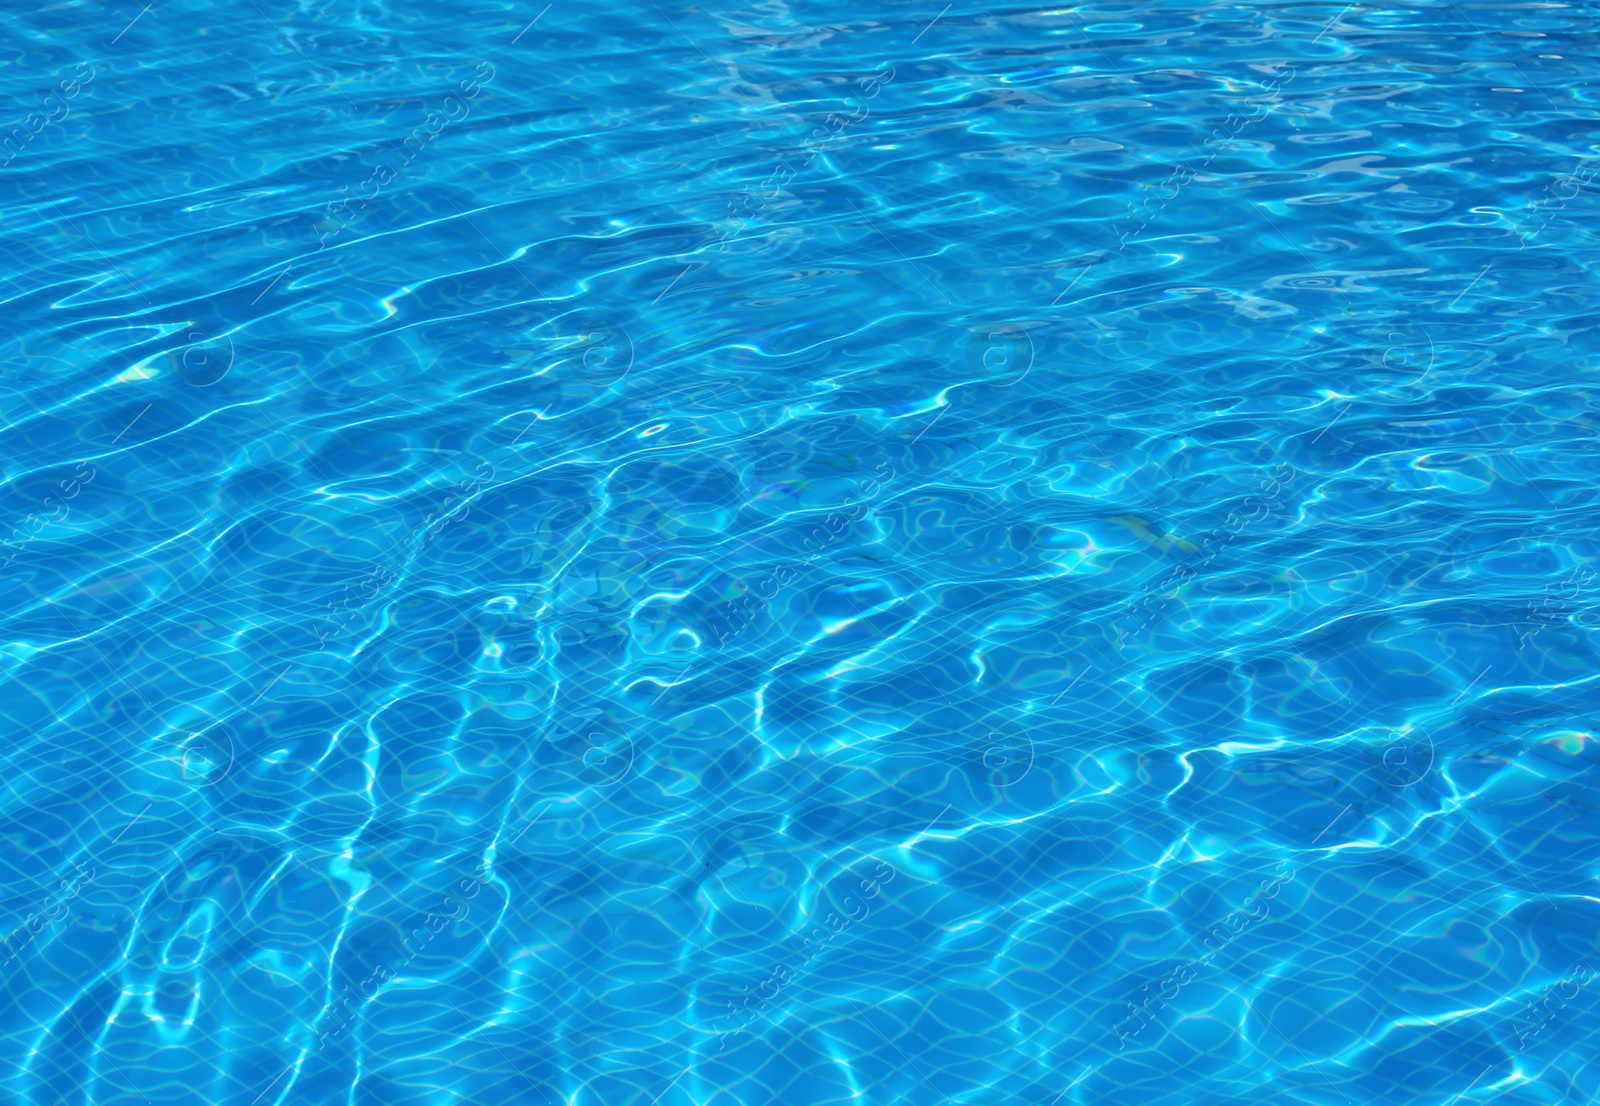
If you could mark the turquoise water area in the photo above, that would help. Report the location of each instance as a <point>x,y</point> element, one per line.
<point>653,554</point>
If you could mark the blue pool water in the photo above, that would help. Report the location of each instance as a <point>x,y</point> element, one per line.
<point>659,554</point>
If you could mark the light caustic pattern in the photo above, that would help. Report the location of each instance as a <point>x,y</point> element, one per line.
<point>669,554</point>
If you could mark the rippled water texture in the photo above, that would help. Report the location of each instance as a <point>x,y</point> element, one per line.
<point>647,555</point>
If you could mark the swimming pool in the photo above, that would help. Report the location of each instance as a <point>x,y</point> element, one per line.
<point>667,554</point>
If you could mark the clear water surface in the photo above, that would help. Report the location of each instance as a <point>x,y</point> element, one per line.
<point>643,554</point>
